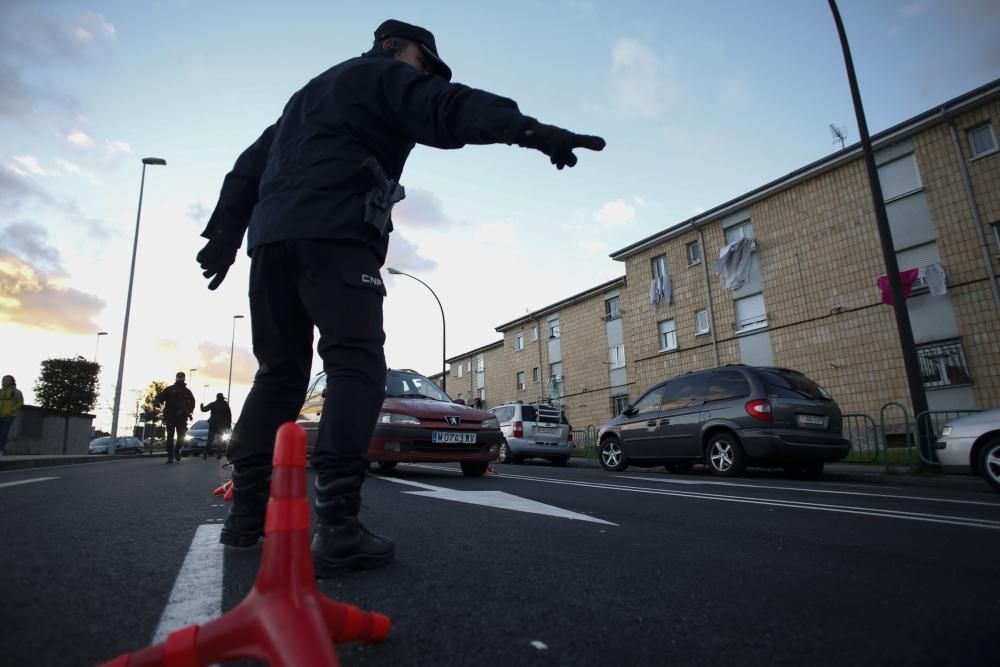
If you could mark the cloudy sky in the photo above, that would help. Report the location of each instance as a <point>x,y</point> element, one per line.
<point>699,102</point>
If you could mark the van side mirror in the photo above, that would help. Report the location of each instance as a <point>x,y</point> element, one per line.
<point>324,392</point>
<point>629,411</point>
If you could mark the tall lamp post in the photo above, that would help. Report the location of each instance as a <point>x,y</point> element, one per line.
<point>98,345</point>
<point>128,303</point>
<point>444,375</point>
<point>232,343</point>
<point>911,361</point>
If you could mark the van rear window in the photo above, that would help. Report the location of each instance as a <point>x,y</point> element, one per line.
<point>794,385</point>
<point>546,415</point>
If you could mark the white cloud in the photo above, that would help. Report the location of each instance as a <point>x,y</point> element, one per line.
<point>592,247</point>
<point>28,165</point>
<point>914,8</point>
<point>80,138</point>
<point>638,86</point>
<point>615,213</point>
<point>66,165</point>
<point>114,148</point>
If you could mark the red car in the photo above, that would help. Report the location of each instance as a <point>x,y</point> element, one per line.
<point>418,423</point>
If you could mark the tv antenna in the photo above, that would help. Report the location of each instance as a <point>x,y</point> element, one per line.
<point>839,134</point>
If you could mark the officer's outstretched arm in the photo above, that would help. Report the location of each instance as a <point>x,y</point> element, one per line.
<point>231,216</point>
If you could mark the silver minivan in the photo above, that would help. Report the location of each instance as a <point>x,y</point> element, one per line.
<point>534,430</point>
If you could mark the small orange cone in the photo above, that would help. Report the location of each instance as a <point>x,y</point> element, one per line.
<point>226,491</point>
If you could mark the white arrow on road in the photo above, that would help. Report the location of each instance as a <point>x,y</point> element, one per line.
<point>495,499</point>
<point>27,481</point>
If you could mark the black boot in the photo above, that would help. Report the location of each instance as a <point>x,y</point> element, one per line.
<point>245,523</point>
<point>341,542</point>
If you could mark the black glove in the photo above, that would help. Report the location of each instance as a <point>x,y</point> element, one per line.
<point>557,143</point>
<point>215,259</point>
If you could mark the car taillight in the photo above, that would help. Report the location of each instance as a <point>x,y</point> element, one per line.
<point>759,409</point>
<point>518,429</point>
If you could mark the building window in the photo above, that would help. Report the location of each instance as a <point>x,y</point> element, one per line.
<point>480,364</point>
<point>694,253</point>
<point>982,141</point>
<point>750,313</point>
<point>534,333</point>
<point>701,322</point>
<point>616,356</point>
<point>468,366</point>
<point>481,393</point>
<point>458,371</point>
<point>556,379</point>
<point>536,376</point>
<point>612,308</point>
<point>943,364</point>
<point>554,328</point>
<point>555,370</point>
<point>659,266</point>
<point>520,381</point>
<point>668,336</point>
<point>459,396</point>
<point>744,231</point>
<point>618,404</point>
<point>518,341</point>
<point>899,178</point>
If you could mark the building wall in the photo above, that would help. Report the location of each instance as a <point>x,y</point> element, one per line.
<point>40,431</point>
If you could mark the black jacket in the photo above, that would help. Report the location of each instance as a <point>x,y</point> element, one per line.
<point>304,177</point>
<point>178,403</point>
<point>221,415</point>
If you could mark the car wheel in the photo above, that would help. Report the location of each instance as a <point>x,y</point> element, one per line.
<point>611,455</point>
<point>724,456</point>
<point>387,465</point>
<point>678,468</point>
<point>989,463</point>
<point>560,461</point>
<point>504,456</point>
<point>474,468</point>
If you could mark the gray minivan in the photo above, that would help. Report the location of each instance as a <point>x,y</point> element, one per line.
<point>728,418</point>
<point>534,430</point>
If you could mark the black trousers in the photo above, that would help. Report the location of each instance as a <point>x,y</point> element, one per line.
<point>336,288</point>
<point>180,428</point>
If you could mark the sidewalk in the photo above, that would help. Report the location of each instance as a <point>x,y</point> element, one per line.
<point>28,461</point>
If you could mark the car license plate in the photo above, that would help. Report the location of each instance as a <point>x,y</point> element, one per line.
<point>812,420</point>
<point>444,438</point>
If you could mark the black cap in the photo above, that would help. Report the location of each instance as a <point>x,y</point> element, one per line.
<point>219,395</point>
<point>422,36</point>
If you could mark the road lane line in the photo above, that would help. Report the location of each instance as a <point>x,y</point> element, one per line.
<point>693,482</point>
<point>197,594</point>
<point>494,499</point>
<point>789,504</point>
<point>27,481</point>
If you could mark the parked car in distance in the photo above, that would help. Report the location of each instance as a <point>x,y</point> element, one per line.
<point>197,438</point>
<point>533,430</point>
<point>972,444</point>
<point>124,445</point>
<point>728,418</point>
<point>418,423</point>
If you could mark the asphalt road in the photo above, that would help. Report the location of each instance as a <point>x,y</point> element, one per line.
<point>553,566</point>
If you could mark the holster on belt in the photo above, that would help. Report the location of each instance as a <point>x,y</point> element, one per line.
<point>380,199</point>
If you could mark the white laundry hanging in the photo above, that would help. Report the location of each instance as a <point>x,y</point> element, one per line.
<point>733,265</point>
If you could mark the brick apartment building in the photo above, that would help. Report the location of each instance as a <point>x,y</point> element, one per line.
<point>808,297</point>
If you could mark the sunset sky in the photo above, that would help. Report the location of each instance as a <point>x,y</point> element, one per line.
<point>699,102</point>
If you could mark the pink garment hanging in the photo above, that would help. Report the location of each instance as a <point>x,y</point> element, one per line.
<point>905,277</point>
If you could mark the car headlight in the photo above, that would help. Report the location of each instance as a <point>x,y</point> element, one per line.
<point>946,431</point>
<point>394,418</point>
<point>189,438</point>
<point>226,436</point>
<point>492,422</point>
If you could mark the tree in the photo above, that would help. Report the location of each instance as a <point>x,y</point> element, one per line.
<point>149,412</point>
<point>68,386</point>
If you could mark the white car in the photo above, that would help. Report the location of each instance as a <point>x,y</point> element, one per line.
<point>972,444</point>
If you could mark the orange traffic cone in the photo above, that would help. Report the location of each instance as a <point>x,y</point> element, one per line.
<point>284,620</point>
<point>226,491</point>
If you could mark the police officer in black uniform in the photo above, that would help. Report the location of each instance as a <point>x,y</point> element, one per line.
<point>316,190</point>
<point>219,421</point>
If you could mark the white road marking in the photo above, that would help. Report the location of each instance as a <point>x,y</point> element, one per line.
<point>810,490</point>
<point>27,481</point>
<point>197,594</point>
<point>494,499</point>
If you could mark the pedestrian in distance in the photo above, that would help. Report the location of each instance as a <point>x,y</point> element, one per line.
<point>220,421</point>
<point>314,194</point>
<point>178,406</point>
<point>11,400</point>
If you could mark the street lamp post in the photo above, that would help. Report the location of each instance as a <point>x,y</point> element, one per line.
<point>128,304</point>
<point>444,375</point>
<point>98,345</point>
<point>911,361</point>
<point>190,377</point>
<point>232,343</point>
